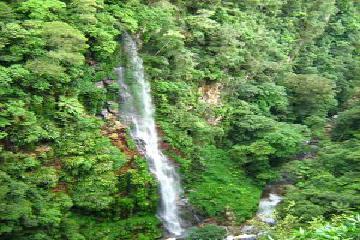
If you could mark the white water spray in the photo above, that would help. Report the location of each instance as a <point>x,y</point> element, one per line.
<point>137,110</point>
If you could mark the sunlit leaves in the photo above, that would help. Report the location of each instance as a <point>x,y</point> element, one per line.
<point>48,70</point>
<point>309,94</point>
<point>42,9</point>
<point>69,108</point>
<point>24,128</point>
<point>94,192</point>
<point>66,43</point>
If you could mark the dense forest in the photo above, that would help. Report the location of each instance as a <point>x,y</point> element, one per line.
<point>246,92</point>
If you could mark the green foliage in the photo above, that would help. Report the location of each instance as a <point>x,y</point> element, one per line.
<point>66,43</point>
<point>339,227</point>
<point>230,79</point>
<point>69,108</point>
<point>140,187</point>
<point>343,227</point>
<point>255,157</point>
<point>270,98</point>
<point>42,9</point>
<point>95,192</point>
<point>208,232</point>
<point>55,167</point>
<point>21,123</point>
<point>279,142</point>
<point>347,125</point>
<point>278,63</point>
<point>221,186</point>
<point>327,185</point>
<point>309,95</point>
<point>135,228</point>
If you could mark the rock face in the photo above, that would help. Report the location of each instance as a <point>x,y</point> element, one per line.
<point>110,107</point>
<point>116,132</point>
<point>189,215</point>
<point>211,94</point>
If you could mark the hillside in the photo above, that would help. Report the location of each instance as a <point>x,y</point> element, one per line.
<point>241,90</point>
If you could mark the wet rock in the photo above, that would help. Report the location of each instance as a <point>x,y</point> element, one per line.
<point>245,237</point>
<point>111,130</point>
<point>248,229</point>
<point>115,112</point>
<point>212,120</point>
<point>189,214</point>
<point>210,94</point>
<point>140,143</point>
<point>242,237</point>
<point>105,113</point>
<point>112,117</point>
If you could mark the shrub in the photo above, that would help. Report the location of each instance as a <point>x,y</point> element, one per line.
<point>208,232</point>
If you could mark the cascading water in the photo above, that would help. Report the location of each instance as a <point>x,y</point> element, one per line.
<point>137,110</point>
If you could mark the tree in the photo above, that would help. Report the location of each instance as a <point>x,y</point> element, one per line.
<point>66,43</point>
<point>47,10</point>
<point>347,124</point>
<point>309,95</point>
<point>20,125</point>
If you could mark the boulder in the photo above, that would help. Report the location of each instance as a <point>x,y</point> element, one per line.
<point>99,84</point>
<point>108,81</point>
<point>114,136</point>
<point>248,229</point>
<point>245,237</point>
<point>105,113</point>
<point>118,125</point>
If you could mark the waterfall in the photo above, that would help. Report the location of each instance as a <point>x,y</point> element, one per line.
<point>137,110</point>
